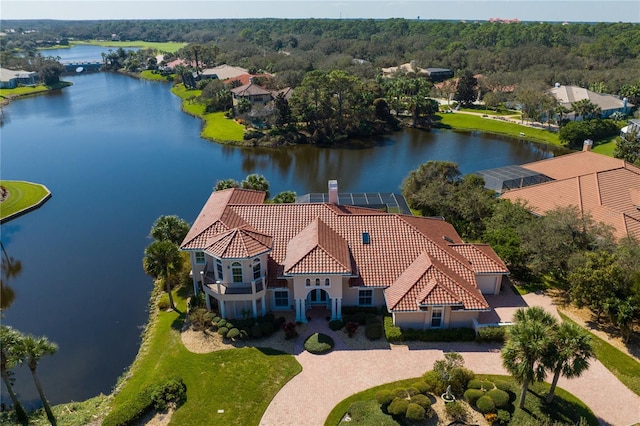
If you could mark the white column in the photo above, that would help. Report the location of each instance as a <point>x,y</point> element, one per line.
<point>264,305</point>
<point>254,308</point>
<point>221,305</point>
<point>207,301</point>
<point>333,308</point>
<point>339,308</point>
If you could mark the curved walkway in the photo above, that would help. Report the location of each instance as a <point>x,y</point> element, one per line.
<point>326,380</point>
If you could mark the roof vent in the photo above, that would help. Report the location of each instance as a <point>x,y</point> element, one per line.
<point>447,239</point>
<point>366,238</point>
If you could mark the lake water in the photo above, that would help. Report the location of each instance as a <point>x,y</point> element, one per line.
<point>116,153</point>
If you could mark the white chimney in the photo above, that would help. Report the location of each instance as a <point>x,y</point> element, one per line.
<point>588,143</point>
<point>333,191</point>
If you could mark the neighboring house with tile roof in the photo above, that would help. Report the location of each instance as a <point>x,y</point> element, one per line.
<point>607,188</point>
<point>248,256</point>
<point>223,72</point>
<point>608,104</point>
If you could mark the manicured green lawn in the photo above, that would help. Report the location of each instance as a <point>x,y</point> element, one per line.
<point>30,90</point>
<point>624,367</point>
<point>499,127</point>
<point>242,382</point>
<point>606,147</point>
<point>171,47</point>
<point>502,112</point>
<point>565,408</point>
<point>150,75</point>
<point>22,195</point>
<point>216,127</point>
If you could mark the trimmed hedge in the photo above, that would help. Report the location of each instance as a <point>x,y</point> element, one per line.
<point>223,331</point>
<point>421,400</point>
<point>422,386</point>
<point>485,404</point>
<point>349,310</point>
<point>479,384</point>
<point>500,398</point>
<point>492,334</point>
<point>318,343</point>
<point>502,385</point>
<point>173,391</point>
<point>336,324</point>
<point>373,331</point>
<point>396,334</point>
<point>384,397</point>
<point>415,412</point>
<point>233,333</point>
<point>472,395</point>
<point>398,407</point>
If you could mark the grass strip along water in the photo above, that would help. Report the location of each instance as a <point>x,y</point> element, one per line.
<point>216,127</point>
<point>227,387</point>
<point>22,197</point>
<point>170,46</point>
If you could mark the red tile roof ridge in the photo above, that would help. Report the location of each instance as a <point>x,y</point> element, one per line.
<point>242,236</point>
<point>432,286</point>
<point>487,254</point>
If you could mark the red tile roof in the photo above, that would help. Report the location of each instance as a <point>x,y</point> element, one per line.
<point>405,254</point>
<point>238,243</point>
<point>606,188</point>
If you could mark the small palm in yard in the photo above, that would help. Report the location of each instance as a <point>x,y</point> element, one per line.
<point>528,343</point>
<point>161,260</point>
<point>34,349</point>
<point>569,355</point>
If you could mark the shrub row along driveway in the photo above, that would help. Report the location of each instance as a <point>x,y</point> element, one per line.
<point>327,379</point>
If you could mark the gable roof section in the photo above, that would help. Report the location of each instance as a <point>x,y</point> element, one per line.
<point>238,243</point>
<point>317,249</point>
<point>569,94</point>
<point>604,187</point>
<point>425,282</point>
<point>225,71</point>
<point>215,217</point>
<point>250,89</point>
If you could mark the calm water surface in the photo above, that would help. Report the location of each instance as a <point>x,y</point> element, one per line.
<point>117,153</point>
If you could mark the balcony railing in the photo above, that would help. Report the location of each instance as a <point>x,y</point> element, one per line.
<point>209,280</point>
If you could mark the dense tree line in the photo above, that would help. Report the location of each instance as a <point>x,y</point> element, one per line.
<point>578,53</point>
<point>564,246</point>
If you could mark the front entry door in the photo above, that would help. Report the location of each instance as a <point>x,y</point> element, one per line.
<point>317,297</point>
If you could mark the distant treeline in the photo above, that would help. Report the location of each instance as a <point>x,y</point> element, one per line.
<point>575,53</point>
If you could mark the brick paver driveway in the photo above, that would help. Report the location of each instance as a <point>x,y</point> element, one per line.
<point>327,379</point>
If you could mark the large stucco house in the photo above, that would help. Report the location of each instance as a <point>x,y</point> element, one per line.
<point>250,258</point>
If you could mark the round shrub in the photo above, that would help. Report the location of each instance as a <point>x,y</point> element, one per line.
<point>422,386</point>
<point>163,303</point>
<point>400,393</point>
<point>209,316</point>
<point>472,395</point>
<point>216,319</point>
<point>223,331</point>
<point>267,328</point>
<point>373,331</point>
<point>500,398</point>
<point>421,400</point>
<point>318,343</point>
<point>336,324</point>
<point>222,322</point>
<point>485,404</point>
<point>233,333</point>
<point>256,331</point>
<point>398,407</point>
<point>413,391</point>
<point>372,319</point>
<point>173,391</point>
<point>415,413</point>
<point>502,385</point>
<point>229,325</point>
<point>384,397</point>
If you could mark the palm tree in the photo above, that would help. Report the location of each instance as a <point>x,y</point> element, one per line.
<point>569,355</point>
<point>161,260</point>
<point>9,357</point>
<point>169,228</point>
<point>33,349</point>
<point>256,182</point>
<point>528,341</point>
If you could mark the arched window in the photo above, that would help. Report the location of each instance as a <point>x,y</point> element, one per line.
<point>257,273</point>
<point>317,282</point>
<point>308,282</point>
<point>236,272</point>
<point>327,283</point>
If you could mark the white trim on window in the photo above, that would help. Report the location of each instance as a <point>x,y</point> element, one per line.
<point>281,299</point>
<point>200,258</point>
<point>365,297</point>
<point>437,317</point>
<point>236,272</point>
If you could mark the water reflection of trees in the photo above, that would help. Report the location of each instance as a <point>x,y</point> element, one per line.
<point>11,268</point>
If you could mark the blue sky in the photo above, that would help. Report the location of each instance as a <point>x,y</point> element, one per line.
<point>525,10</point>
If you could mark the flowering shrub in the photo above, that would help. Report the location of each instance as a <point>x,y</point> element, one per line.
<point>289,329</point>
<point>351,328</point>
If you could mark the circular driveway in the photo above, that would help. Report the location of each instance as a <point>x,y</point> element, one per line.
<point>327,379</point>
